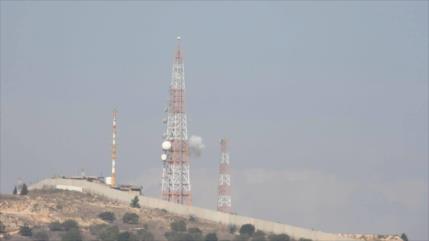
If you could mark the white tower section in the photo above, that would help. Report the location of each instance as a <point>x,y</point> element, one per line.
<point>175,181</point>
<point>114,149</point>
<point>224,203</point>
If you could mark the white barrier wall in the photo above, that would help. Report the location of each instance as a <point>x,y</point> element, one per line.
<point>211,215</point>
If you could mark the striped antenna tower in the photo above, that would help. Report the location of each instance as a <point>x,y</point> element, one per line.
<point>175,180</point>
<point>224,189</point>
<point>114,148</point>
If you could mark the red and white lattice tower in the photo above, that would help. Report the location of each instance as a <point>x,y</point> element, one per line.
<point>114,149</point>
<point>175,182</point>
<point>224,190</point>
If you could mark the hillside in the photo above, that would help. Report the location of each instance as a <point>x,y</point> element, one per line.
<point>41,207</point>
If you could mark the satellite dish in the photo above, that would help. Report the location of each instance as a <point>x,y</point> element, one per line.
<point>163,157</point>
<point>166,145</point>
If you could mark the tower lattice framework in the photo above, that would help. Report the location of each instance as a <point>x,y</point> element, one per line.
<point>176,183</point>
<point>224,203</point>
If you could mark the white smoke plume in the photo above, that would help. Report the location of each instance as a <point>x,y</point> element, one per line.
<point>196,146</point>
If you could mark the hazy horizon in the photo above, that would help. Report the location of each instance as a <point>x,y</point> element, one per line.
<point>325,103</point>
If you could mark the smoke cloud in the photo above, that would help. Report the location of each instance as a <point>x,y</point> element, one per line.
<point>196,145</point>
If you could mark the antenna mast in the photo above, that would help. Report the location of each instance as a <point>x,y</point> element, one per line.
<point>175,181</point>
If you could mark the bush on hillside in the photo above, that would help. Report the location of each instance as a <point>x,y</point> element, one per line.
<point>178,236</point>
<point>2,228</point>
<point>248,229</point>
<point>232,228</point>
<point>56,226</point>
<point>144,235</point>
<point>96,229</point>
<point>259,236</point>
<point>135,202</point>
<point>279,237</point>
<point>25,231</point>
<point>24,190</point>
<point>72,234</point>
<point>41,236</point>
<point>70,224</point>
<point>178,226</point>
<point>110,233</point>
<point>404,237</point>
<point>130,218</point>
<point>107,216</point>
<point>196,233</point>
<point>126,236</point>
<point>211,237</point>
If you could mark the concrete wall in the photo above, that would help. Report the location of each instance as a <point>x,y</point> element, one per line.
<point>211,215</point>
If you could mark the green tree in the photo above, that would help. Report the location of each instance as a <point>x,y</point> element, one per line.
<point>144,235</point>
<point>24,189</point>
<point>211,237</point>
<point>248,229</point>
<point>72,235</point>
<point>70,224</point>
<point>135,202</point>
<point>232,228</point>
<point>196,233</point>
<point>56,226</point>
<point>404,237</point>
<point>2,228</point>
<point>107,216</point>
<point>41,236</point>
<point>15,191</point>
<point>259,236</point>
<point>178,226</point>
<point>126,236</point>
<point>25,231</point>
<point>130,218</point>
<point>279,237</point>
<point>110,233</point>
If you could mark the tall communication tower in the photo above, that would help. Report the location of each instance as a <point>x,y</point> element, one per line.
<point>176,183</point>
<point>114,149</point>
<point>224,190</point>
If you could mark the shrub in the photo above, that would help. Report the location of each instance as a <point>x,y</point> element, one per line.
<point>70,224</point>
<point>96,229</point>
<point>72,235</point>
<point>2,228</point>
<point>211,237</point>
<point>110,233</point>
<point>24,190</point>
<point>178,226</point>
<point>130,218</point>
<point>144,235</point>
<point>25,231</point>
<point>178,236</point>
<point>232,228</point>
<point>279,237</point>
<point>107,216</point>
<point>305,239</point>
<point>196,233</point>
<point>192,219</point>
<point>404,237</point>
<point>126,236</point>
<point>135,202</point>
<point>248,229</point>
<point>41,236</point>
<point>55,226</point>
<point>242,237</point>
<point>259,236</point>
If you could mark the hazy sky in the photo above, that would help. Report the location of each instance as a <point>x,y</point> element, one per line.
<point>325,103</point>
